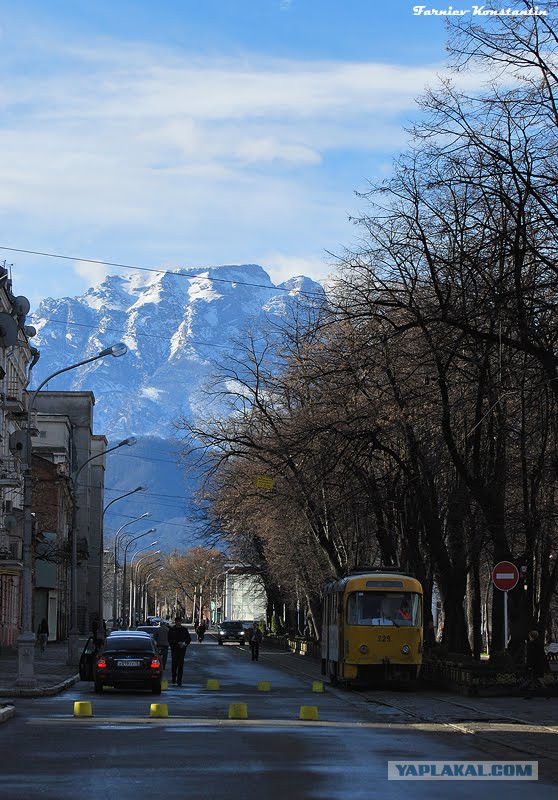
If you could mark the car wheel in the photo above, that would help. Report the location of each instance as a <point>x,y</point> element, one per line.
<point>98,687</point>
<point>156,689</point>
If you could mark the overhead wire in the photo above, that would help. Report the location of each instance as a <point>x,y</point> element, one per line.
<point>136,268</point>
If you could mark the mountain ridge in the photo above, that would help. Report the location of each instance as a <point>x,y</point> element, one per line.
<point>175,323</point>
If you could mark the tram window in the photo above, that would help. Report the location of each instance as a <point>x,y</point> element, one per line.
<point>384,608</point>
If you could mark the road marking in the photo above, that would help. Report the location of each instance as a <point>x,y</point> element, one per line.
<point>276,723</point>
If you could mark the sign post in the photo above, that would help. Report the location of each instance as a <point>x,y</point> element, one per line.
<point>505,576</point>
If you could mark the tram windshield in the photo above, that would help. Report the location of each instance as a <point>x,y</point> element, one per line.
<point>384,608</point>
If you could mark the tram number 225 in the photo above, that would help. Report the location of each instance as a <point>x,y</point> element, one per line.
<point>384,637</point>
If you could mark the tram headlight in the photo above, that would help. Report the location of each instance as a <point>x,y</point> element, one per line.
<point>406,649</point>
<point>363,649</point>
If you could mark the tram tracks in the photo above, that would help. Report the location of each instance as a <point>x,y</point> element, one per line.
<point>483,716</point>
<point>498,738</point>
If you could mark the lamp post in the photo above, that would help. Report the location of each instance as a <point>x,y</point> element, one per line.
<point>102,546</point>
<point>133,584</point>
<point>26,639</point>
<point>115,576</point>
<point>73,638</point>
<point>216,595</point>
<point>131,593</point>
<point>146,581</point>
<point>127,545</point>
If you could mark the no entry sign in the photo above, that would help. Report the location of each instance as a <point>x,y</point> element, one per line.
<point>505,576</point>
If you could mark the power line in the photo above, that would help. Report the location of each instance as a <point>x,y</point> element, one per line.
<point>135,268</point>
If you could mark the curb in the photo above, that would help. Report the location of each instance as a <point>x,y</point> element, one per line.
<point>47,691</point>
<point>6,712</point>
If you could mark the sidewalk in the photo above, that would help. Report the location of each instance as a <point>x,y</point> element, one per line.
<point>51,671</point>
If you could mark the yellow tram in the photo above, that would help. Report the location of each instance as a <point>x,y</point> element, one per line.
<point>372,627</point>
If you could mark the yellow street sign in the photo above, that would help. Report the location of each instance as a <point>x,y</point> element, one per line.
<point>264,482</point>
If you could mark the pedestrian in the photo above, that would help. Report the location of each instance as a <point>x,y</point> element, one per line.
<point>200,630</point>
<point>99,630</point>
<point>179,639</point>
<point>43,634</point>
<point>162,639</point>
<point>536,663</point>
<point>254,638</point>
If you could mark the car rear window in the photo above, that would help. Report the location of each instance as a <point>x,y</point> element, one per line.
<point>137,643</point>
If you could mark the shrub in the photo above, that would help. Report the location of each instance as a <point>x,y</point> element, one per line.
<point>503,659</point>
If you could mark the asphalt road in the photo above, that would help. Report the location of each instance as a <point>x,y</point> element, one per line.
<point>199,753</point>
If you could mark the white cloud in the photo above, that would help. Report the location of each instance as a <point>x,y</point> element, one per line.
<point>93,274</point>
<point>281,266</point>
<point>144,154</point>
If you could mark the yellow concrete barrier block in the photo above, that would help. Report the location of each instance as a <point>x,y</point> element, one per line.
<point>309,712</point>
<point>264,686</point>
<point>164,684</point>
<point>83,709</point>
<point>317,686</point>
<point>213,685</point>
<point>238,711</point>
<point>158,710</point>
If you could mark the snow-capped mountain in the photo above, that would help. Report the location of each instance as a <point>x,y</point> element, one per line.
<point>176,325</point>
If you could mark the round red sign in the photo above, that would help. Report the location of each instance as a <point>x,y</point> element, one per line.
<point>505,576</point>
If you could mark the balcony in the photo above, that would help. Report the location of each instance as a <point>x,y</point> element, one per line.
<point>10,473</point>
<point>11,394</point>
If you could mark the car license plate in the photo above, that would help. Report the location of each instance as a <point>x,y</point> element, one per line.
<point>128,663</point>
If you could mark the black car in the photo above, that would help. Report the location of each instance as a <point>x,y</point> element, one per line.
<point>230,632</point>
<point>150,629</point>
<point>130,662</point>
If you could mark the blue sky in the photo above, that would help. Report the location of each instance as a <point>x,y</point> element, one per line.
<point>192,133</point>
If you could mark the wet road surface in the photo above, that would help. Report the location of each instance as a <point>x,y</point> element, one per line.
<point>199,753</point>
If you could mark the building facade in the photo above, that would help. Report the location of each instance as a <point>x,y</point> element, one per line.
<point>64,422</point>
<point>17,357</point>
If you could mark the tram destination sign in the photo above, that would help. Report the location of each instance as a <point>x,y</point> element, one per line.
<point>505,576</point>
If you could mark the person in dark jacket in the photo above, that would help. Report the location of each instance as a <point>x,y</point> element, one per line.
<point>179,639</point>
<point>99,630</point>
<point>200,630</point>
<point>254,638</point>
<point>536,661</point>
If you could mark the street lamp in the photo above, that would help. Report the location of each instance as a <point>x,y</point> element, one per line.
<point>102,545</point>
<point>148,577</point>
<point>115,577</point>
<point>26,639</point>
<point>73,638</point>
<point>127,545</point>
<point>131,592</point>
<point>133,584</point>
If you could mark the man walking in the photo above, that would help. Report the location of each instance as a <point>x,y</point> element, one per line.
<point>254,638</point>
<point>162,638</point>
<point>179,639</point>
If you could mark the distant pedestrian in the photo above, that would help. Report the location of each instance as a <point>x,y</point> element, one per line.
<point>162,639</point>
<point>536,662</point>
<point>99,630</point>
<point>43,634</point>
<point>200,631</point>
<point>179,639</point>
<point>254,638</point>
